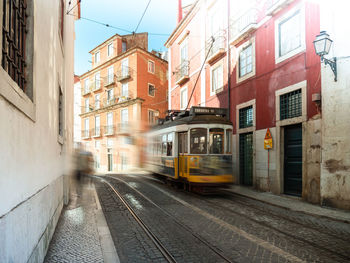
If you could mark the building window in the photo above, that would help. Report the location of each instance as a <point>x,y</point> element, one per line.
<point>124,116</point>
<point>216,141</point>
<point>110,75</point>
<point>87,106</point>
<point>291,105</point>
<point>183,98</point>
<point>151,90</point>
<point>97,80</point>
<point>97,101</point>
<point>217,79</point>
<point>246,117</point>
<point>151,67</point>
<point>245,61</point>
<point>110,49</point>
<point>152,116</point>
<point>86,86</point>
<point>14,41</point>
<point>228,141</point>
<point>60,112</point>
<point>184,51</point>
<point>86,128</point>
<point>125,90</point>
<point>125,67</point>
<point>290,34</point>
<point>97,57</point>
<point>123,46</point>
<point>109,96</point>
<point>61,18</point>
<point>97,126</point>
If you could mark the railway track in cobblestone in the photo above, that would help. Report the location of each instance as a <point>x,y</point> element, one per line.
<point>155,237</point>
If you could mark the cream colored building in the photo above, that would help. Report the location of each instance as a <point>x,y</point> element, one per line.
<point>36,115</point>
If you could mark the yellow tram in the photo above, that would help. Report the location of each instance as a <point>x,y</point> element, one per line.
<point>193,147</point>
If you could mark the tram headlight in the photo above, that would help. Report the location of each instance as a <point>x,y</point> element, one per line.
<point>194,162</point>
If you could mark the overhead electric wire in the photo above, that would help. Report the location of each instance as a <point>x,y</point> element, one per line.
<point>212,42</point>
<point>142,16</point>
<point>78,2</point>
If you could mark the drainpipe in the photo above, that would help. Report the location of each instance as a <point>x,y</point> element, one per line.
<point>228,60</point>
<point>179,14</point>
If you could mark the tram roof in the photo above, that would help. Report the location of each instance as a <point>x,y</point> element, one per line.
<point>193,119</point>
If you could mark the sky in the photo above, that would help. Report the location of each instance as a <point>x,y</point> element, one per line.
<point>160,18</point>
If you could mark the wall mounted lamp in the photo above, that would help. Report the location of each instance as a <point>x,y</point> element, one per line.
<point>322,44</point>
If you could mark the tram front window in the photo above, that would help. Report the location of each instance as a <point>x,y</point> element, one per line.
<point>198,140</point>
<point>216,141</point>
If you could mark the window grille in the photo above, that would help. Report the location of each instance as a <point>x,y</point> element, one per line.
<point>246,117</point>
<point>13,40</point>
<point>151,90</point>
<point>290,105</point>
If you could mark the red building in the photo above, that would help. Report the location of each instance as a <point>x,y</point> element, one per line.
<point>274,77</point>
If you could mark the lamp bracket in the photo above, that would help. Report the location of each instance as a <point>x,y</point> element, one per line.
<point>332,64</point>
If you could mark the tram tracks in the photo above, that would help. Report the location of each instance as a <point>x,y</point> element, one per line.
<point>151,234</point>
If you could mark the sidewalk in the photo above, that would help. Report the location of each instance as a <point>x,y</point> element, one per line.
<point>82,234</point>
<point>291,203</point>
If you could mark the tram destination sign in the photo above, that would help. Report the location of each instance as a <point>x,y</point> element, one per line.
<point>208,111</point>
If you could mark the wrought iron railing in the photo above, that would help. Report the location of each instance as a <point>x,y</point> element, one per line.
<point>182,70</point>
<point>246,21</point>
<point>95,132</point>
<point>109,130</point>
<point>124,73</point>
<point>85,134</point>
<point>109,80</point>
<point>218,42</point>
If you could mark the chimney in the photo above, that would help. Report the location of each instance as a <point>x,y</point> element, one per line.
<point>179,14</point>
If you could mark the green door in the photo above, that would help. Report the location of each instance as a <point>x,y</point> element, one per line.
<point>293,160</point>
<point>246,158</point>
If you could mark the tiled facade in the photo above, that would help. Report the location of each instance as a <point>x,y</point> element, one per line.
<point>125,91</point>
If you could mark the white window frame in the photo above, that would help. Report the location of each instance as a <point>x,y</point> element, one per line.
<point>185,91</point>
<point>150,84</point>
<point>240,49</point>
<point>151,69</point>
<point>86,85</point>
<point>215,67</point>
<point>242,106</point>
<point>155,114</point>
<point>97,101</point>
<point>109,98</point>
<point>97,55</point>
<point>109,118</point>
<point>110,75</point>
<point>122,112</point>
<point>125,87</point>
<point>86,124</point>
<point>110,51</point>
<point>125,67</point>
<point>87,105</point>
<point>280,20</point>
<point>184,44</point>
<point>97,117</point>
<point>97,80</point>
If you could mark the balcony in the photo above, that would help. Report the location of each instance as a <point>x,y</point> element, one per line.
<point>85,109</point>
<point>218,47</point>
<point>96,132</point>
<point>95,86</point>
<point>85,90</point>
<point>109,81</point>
<point>109,130</point>
<point>273,6</point>
<point>110,101</point>
<point>85,134</point>
<point>124,74</point>
<point>124,128</point>
<point>182,72</point>
<point>244,25</point>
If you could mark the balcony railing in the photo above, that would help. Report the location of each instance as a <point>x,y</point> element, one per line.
<point>244,25</point>
<point>109,80</point>
<point>85,90</point>
<point>85,109</point>
<point>273,6</point>
<point>218,47</point>
<point>182,72</point>
<point>124,127</point>
<point>96,132</point>
<point>120,97</point>
<point>85,134</point>
<point>109,130</point>
<point>124,74</point>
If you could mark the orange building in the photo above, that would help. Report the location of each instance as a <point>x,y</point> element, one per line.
<point>123,93</point>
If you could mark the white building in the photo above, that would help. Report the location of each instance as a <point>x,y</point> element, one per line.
<point>335,164</point>
<point>36,116</point>
<point>77,110</point>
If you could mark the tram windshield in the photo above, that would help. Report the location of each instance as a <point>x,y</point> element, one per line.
<point>198,139</point>
<point>216,141</point>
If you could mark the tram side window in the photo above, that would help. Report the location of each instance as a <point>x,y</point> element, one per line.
<point>169,151</point>
<point>159,145</point>
<point>228,141</point>
<point>164,144</point>
<point>216,141</point>
<point>198,141</point>
<point>183,143</point>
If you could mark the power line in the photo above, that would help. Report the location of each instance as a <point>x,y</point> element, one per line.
<point>142,16</point>
<point>78,2</point>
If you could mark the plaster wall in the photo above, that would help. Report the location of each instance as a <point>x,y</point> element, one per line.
<point>335,167</point>
<point>34,159</point>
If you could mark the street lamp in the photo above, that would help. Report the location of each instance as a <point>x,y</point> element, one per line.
<point>322,44</point>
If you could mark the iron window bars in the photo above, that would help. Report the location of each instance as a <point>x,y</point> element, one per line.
<point>13,40</point>
<point>246,117</point>
<point>290,105</point>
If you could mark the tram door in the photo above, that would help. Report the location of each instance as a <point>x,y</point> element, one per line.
<point>183,150</point>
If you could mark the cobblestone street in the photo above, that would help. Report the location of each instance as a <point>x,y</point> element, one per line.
<point>215,228</point>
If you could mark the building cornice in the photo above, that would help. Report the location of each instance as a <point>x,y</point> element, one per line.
<point>181,26</point>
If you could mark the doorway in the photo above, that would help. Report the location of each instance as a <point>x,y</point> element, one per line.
<point>246,158</point>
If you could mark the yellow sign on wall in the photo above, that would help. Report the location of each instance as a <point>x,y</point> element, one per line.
<point>268,140</point>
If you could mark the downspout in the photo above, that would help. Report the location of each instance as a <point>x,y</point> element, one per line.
<point>228,60</point>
